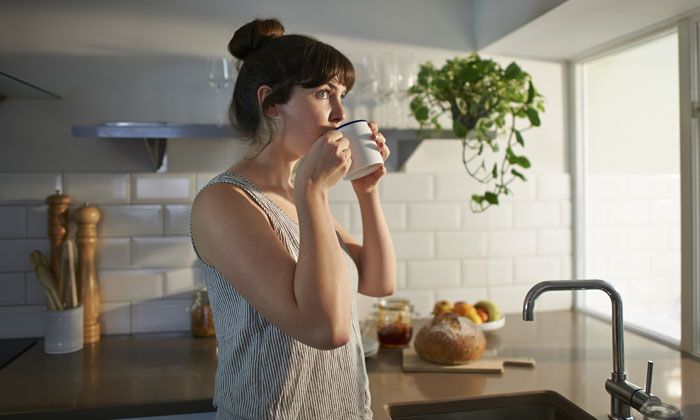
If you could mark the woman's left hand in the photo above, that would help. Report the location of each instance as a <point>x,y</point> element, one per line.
<point>368,183</point>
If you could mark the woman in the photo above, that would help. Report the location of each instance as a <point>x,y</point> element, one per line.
<point>282,274</point>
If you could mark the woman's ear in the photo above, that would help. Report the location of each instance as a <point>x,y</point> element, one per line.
<point>263,92</point>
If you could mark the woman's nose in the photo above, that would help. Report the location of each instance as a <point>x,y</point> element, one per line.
<point>337,111</point>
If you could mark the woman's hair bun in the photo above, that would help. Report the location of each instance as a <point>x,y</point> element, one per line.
<point>253,35</point>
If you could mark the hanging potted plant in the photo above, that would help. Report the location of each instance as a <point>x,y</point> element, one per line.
<point>489,108</point>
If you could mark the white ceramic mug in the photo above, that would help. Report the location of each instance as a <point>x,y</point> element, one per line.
<point>365,155</point>
<point>64,331</point>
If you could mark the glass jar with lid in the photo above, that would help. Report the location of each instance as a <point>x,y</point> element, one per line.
<point>394,322</point>
<point>202,317</point>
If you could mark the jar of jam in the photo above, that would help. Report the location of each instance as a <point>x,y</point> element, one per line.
<point>202,318</point>
<point>394,323</point>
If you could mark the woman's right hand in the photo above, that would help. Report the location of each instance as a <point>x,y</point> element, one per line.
<point>326,162</point>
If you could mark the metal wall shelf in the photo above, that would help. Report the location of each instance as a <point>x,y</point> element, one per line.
<point>154,135</point>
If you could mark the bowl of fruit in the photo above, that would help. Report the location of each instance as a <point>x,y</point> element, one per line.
<point>484,313</point>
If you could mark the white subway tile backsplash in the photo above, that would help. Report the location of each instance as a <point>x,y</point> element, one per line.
<point>38,222</point>
<point>475,272</point>
<point>113,253</point>
<point>433,274</point>
<point>13,221</point>
<point>596,266</point>
<point>422,300</point>
<point>500,271</point>
<point>407,187</point>
<point>664,212</point>
<point>162,315</point>
<point>511,243</point>
<point>567,268</point>
<point>557,301</point>
<point>115,318</point>
<point>629,265</point>
<point>12,289</point>
<point>131,220</point>
<point>648,238</point>
<point>553,187</point>
<point>606,240</point>
<point>365,306</point>
<point>461,244</point>
<point>509,299</point>
<point>15,253</point>
<point>647,187</point>
<point>433,216</point>
<point>524,190</point>
<point>457,186</point>
<point>157,252</point>
<point>596,213</point>
<point>665,264</point>
<point>401,274</point>
<point>606,187</point>
<point>181,284</point>
<point>22,321</point>
<point>531,270</point>
<point>409,245</point>
<point>554,242</point>
<point>465,294</point>
<point>496,217</point>
<point>341,213</point>
<point>19,187</point>
<point>34,294</point>
<point>97,188</point>
<point>162,188</point>
<point>177,219</point>
<point>116,286</point>
<point>342,192</point>
<point>533,214</point>
<point>628,213</point>
<point>203,178</point>
<point>566,212</point>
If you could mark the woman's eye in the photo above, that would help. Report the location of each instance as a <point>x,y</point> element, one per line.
<point>323,94</point>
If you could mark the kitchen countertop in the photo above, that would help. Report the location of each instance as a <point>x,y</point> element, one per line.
<point>160,374</point>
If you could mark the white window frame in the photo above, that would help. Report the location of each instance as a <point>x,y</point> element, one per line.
<point>688,29</point>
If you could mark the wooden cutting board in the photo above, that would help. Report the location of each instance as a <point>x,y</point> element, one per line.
<point>487,364</point>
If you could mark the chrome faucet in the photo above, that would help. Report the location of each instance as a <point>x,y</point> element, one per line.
<point>623,394</point>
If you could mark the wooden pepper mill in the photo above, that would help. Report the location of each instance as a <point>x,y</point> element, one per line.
<point>86,217</point>
<point>59,218</point>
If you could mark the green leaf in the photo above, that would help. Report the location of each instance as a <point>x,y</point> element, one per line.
<point>491,198</point>
<point>513,71</point>
<point>519,138</point>
<point>533,116</point>
<point>478,198</point>
<point>530,92</point>
<point>459,129</point>
<point>494,171</point>
<point>518,174</point>
<point>524,162</point>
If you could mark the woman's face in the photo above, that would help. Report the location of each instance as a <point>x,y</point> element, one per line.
<point>310,113</point>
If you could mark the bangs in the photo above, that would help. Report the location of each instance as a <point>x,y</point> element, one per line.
<point>324,63</point>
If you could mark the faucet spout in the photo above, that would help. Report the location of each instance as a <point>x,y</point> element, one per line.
<point>617,323</point>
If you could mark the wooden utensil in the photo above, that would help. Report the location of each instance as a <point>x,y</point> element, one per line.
<point>69,294</point>
<point>43,274</point>
<point>86,218</point>
<point>59,219</point>
<point>413,363</point>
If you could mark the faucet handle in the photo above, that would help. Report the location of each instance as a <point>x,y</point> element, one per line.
<point>650,370</point>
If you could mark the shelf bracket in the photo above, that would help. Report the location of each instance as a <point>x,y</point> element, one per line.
<point>157,148</point>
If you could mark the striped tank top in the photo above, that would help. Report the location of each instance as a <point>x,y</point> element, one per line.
<point>264,373</point>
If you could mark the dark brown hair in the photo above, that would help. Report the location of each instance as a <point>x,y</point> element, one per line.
<point>268,57</point>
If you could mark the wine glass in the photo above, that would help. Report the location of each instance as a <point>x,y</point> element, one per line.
<point>220,76</point>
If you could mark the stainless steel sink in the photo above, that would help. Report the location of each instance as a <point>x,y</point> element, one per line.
<point>541,405</point>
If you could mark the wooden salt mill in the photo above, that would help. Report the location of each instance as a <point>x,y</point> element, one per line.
<point>59,218</point>
<point>86,217</point>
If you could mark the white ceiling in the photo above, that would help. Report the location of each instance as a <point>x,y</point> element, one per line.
<point>577,27</point>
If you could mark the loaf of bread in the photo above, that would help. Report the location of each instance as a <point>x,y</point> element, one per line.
<point>450,339</point>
